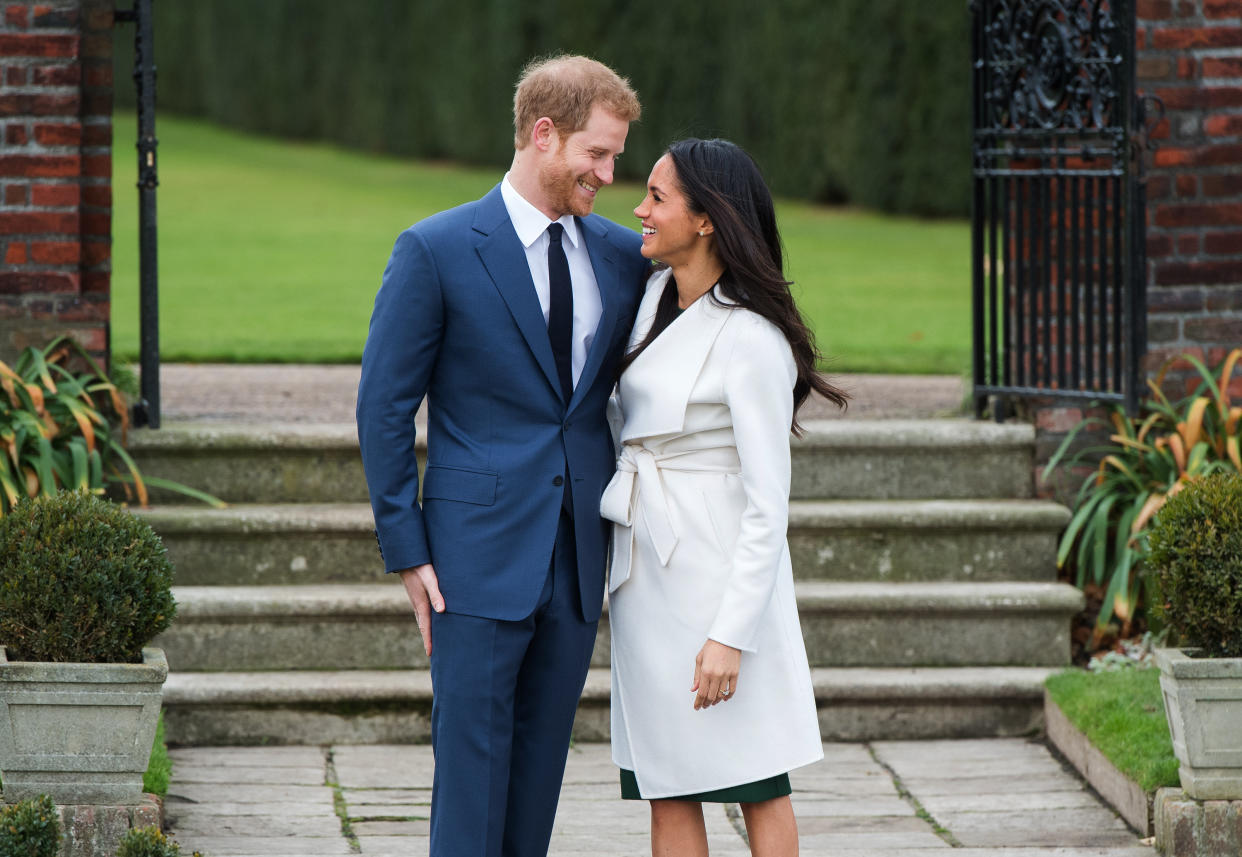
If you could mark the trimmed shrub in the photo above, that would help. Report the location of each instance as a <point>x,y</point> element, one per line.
<point>865,101</point>
<point>148,842</point>
<point>81,580</point>
<point>30,828</point>
<point>1196,557</point>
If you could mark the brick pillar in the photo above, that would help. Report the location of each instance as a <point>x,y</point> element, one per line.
<point>55,172</point>
<point>1190,55</point>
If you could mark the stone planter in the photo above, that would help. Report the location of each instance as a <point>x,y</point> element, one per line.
<point>79,733</point>
<point>1203,701</point>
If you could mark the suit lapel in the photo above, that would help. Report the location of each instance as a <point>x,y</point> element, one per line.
<point>603,255</point>
<point>504,258</point>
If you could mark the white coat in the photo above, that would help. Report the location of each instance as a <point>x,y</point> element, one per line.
<point>700,505</point>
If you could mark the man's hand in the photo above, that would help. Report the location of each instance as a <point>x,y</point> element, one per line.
<point>424,591</point>
<point>715,674</point>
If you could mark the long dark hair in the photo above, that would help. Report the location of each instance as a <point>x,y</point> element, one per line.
<point>721,180</point>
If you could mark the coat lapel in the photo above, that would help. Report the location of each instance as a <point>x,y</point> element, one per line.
<point>655,390</point>
<point>504,258</point>
<point>603,255</point>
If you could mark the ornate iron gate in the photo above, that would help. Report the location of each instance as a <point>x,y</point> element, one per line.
<point>1058,261</point>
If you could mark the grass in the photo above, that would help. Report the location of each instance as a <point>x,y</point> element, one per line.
<point>159,769</point>
<point>1122,714</point>
<point>272,251</point>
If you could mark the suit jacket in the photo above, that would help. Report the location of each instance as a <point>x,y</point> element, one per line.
<point>457,320</point>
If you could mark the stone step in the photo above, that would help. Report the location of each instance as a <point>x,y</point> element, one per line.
<point>836,459</point>
<point>861,540</point>
<point>370,626</point>
<point>394,706</point>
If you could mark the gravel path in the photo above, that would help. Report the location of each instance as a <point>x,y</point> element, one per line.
<point>301,393</point>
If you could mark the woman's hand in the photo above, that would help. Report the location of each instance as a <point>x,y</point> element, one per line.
<point>715,674</point>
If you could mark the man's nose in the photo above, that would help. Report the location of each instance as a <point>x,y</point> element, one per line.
<point>604,172</point>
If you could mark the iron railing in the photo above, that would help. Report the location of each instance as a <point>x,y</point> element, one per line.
<point>1058,258</point>
<point>147,410</point>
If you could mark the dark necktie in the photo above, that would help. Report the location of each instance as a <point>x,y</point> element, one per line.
<point>560,310</point>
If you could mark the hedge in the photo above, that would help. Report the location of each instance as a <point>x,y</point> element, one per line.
<point>859,101</point>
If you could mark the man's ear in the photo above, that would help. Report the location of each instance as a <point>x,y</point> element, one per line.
<point>544,134</point>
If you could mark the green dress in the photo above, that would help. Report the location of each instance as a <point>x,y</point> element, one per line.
<point>755,792</point>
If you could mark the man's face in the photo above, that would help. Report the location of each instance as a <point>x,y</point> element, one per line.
<point>581,163</point>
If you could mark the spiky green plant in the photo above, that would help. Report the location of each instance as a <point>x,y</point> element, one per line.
<point>1149,459</point>
<point>61,429</point>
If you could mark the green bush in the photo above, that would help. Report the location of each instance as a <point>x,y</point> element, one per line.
<point>1196,557</point>
<point>148,842</point>
<point>866,101</point>
<point>1150,457</point>
<point>81,580</point>
<point>30,828</point>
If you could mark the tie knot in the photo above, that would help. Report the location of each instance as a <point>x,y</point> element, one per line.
<point>555,230</point>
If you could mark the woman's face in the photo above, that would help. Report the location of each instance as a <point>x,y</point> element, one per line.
<point>670,229</point>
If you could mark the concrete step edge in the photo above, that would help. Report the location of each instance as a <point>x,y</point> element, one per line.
<point>911,435</point>
<point>314,687</point>
<point>990,514</point>
<point>206,603</point>
<point>891,435</point>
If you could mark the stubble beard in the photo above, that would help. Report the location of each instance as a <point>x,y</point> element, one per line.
<point>561,186</point>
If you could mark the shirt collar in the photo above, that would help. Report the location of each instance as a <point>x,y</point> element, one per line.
<point>528,221</point>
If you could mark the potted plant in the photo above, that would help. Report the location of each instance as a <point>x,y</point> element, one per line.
<point>1196,562</point>
<point>84,586</point>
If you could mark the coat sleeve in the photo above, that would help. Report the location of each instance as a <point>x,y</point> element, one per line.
<point>758,388</point>
<point>402,345</point>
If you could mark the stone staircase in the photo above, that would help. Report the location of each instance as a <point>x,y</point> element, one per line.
<point>925,570</point>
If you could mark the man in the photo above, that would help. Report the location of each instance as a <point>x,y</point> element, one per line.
<point>510,315</point>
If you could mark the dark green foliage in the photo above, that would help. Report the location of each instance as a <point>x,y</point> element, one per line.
<point>29,828</point>
<point>1196,555</point>
<point>865,101</point>
<point>148,842</point>
<point>81,580</point>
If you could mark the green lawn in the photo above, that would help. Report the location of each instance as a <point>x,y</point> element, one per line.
<point>1122,714</point>
<point>272,251</point>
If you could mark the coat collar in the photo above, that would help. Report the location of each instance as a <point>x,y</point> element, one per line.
<point>655,389</point>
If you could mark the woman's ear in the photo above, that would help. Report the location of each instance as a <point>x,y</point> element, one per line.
<point>704,227</point>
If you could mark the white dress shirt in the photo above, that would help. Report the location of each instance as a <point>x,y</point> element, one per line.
<point>531,226</point>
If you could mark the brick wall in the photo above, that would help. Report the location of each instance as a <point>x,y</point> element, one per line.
<point>1190,55</point>
<point>55,172</point>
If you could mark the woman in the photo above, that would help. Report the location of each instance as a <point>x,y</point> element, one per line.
<point>712,697</point>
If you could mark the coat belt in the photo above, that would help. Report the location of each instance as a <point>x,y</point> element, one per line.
<point>638,482</point>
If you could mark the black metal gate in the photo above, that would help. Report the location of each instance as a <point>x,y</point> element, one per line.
<point>1058,257</point>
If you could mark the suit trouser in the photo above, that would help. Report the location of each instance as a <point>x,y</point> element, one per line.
<point>505,698</point>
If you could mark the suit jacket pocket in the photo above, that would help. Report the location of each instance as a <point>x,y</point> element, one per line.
<point>457,483</point>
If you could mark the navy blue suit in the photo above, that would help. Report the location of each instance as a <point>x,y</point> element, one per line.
<point>457,320</point>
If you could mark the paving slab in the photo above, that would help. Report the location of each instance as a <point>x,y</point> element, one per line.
<point>203,793</point>
<point>266,846</point>
<point>997,798</point>
<point>232,775</point>
<point>1006,802</point>
<point>197,758</point>
<point>259,826</point>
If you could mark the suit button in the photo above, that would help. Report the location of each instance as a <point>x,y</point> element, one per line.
<point>558,481</point>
